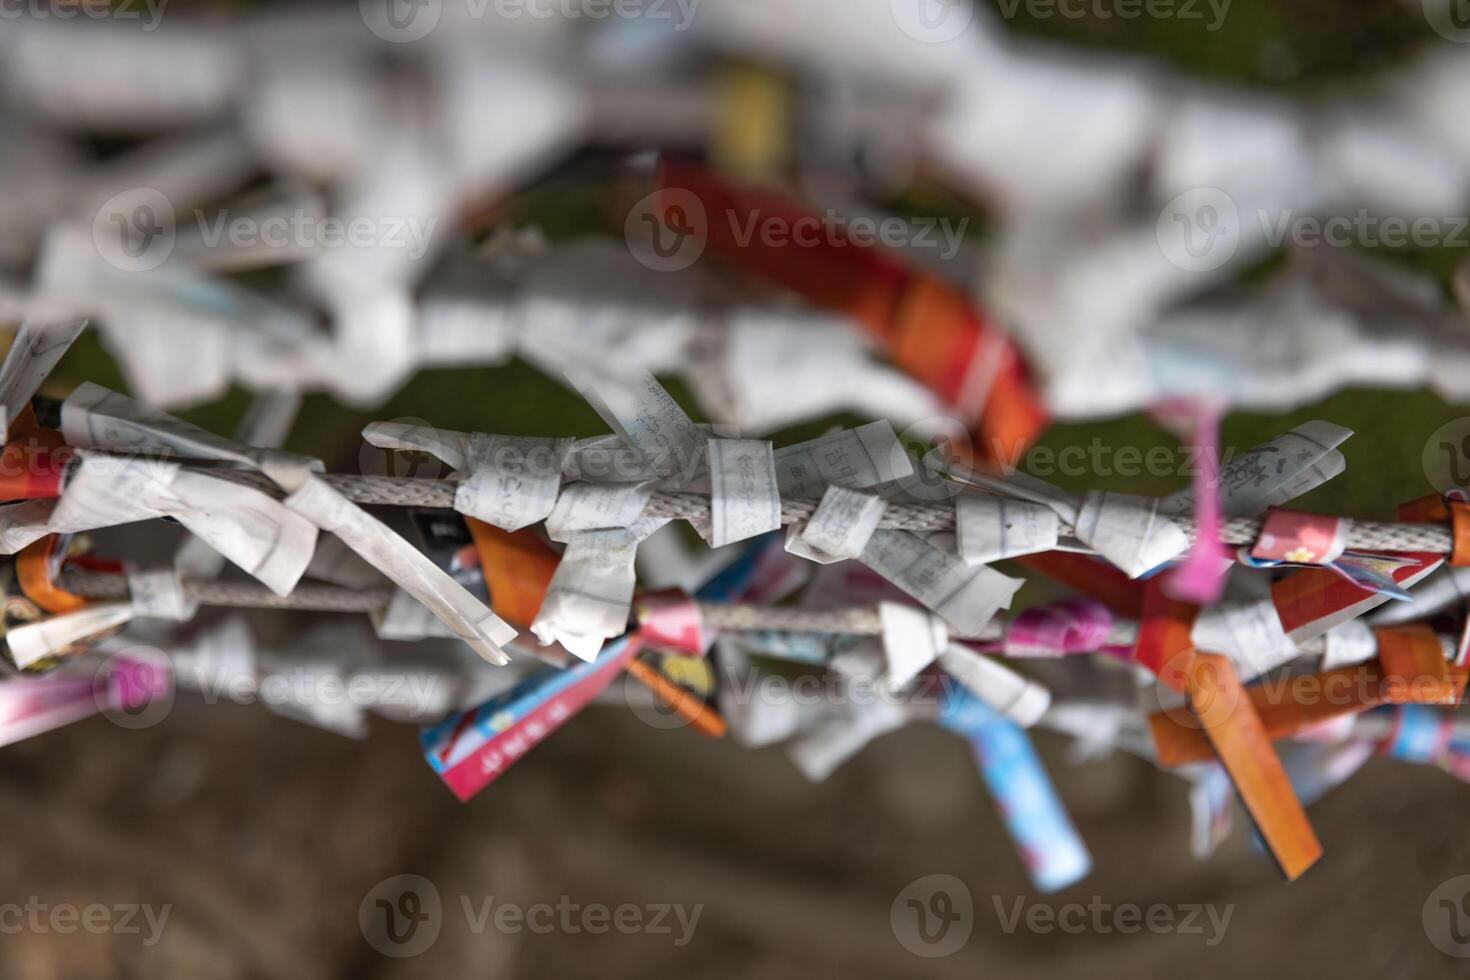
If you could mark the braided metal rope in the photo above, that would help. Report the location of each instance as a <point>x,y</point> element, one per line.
<point>727,616</point>
<point>401,492</point>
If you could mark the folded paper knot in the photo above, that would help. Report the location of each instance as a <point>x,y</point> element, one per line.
<point>671,619</point>
<point>1301,538</point>
<point>1074,625</point>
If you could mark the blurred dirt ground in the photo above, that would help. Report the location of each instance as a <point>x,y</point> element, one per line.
<point>265,836</point>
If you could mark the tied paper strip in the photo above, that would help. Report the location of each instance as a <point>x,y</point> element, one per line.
<point>408,567</point>
<point>102,416</point>
<point>249,528</point>
<point>597,506</point>
<point>1301,538</point>
<point>36,641</point>
<point>968,598</point>
<point>510,482</point>
<point>36,349</point>
<point>745,501</point>
<point>912,640</point>
<point>1129,531</point>
<point>839,736</point>
<point>1054,854</point>
<point>649,419</point>
<point>1021,700</point>
<point>990,528</point>
<point>1274,472</point>
<point>1075,625</point>
<point>158,593</point>
<point>590,593</point>
<point>840,528</point>
<point>1249,632</point>
<point>855,458</point>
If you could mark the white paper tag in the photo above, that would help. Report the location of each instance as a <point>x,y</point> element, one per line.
<point>249,528</point>
<point>36,641</point>
<point>597,506</point>
<point>912,640</point>
<point>158,593</point>
<point>1349,643</point>
<point>968,598</point>
<point>989,528</point>
<point>861,457</point>
<point>405,618</point>
<point>647,416</point>
<point>512,482</point>
<point>1272,473</point>
<point>589,598</point>
<point>1250,633</point>
<point>1019,699</point>
<point>834,740</point>
<point>744,499</point>
<point>1128,530</point>
<point>36,349</point>
<point>409,568</point>
<point>841,526</point>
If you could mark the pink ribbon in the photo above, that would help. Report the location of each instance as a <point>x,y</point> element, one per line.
<point>1200,579</point>
<point>1074,625</point>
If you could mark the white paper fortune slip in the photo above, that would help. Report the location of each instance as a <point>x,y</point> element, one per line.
<point>1249,632</point>
<point>589,598</point>
<point>94,417</point>
<point>36,641</point>
<point>968,598</point>
<point>1019,699</point>
<point>912,640</point>
<point>647,416</point>
<point>744,499</point>
<point>840,528</point>
<point>508,481</point>
<point>1274,472</point>
<point>158,593</point>
<point>36,349</point>
<point>862,457</point>
<point>990,528</point>
<point>246,526</point>
<point>595,506</point>
<point>1128,530</point>
<point>408,567</point>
